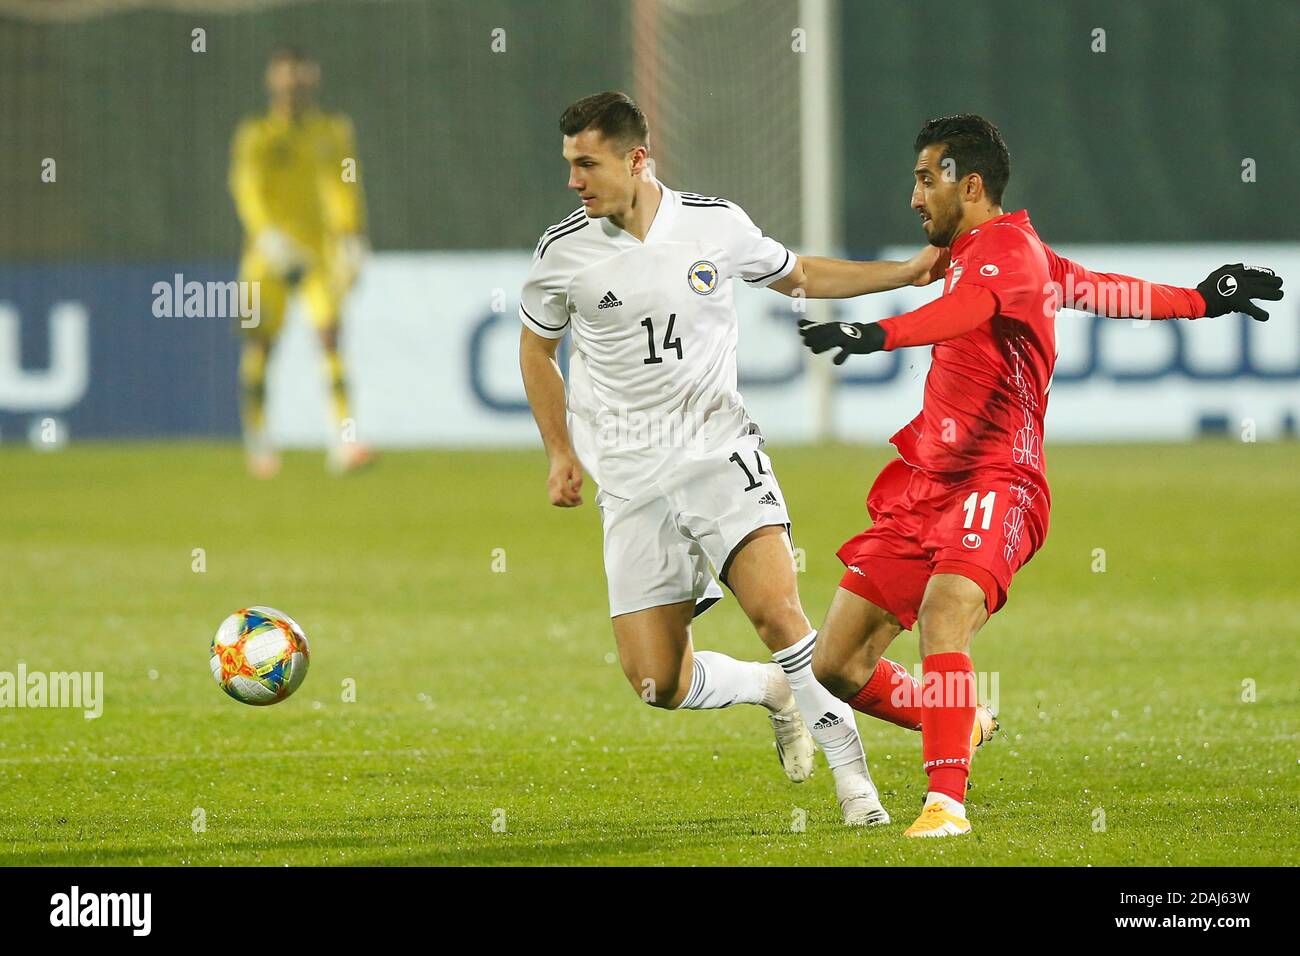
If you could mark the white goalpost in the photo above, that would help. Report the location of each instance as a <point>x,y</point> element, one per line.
<point>819,181</point>
<point>742,100</point>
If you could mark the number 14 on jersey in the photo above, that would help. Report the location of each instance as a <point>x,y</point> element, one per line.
<point>670,343</point>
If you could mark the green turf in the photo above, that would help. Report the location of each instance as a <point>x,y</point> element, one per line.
<point>483,693</point>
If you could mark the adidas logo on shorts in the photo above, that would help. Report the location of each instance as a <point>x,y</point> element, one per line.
<point>827,721</point>
<point>769,499</point>
<point>609,301</point>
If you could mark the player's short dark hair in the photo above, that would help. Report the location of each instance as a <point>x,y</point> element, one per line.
<point>975,145</point>
<point>614,115</point>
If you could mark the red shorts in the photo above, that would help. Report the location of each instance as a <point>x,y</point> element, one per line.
<point>983,526</point>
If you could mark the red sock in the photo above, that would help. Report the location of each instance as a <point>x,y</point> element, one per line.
<point>892,694</point>
<point>947,713</point>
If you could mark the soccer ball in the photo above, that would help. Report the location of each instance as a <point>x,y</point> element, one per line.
<point>259,655</point>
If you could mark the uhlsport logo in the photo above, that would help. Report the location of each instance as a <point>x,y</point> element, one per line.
<point>971,540</point>
<point>75,908</point>
<point>1227,286</point>
<point>703,277</point>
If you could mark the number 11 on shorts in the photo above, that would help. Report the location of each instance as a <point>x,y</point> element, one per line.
<point>985,505</point>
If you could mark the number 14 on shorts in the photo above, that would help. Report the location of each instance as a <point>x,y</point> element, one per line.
<point>749,476</point>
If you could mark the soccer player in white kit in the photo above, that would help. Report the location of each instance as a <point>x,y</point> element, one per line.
<point>641,278</point>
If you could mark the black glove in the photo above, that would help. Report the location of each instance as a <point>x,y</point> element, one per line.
<point>1230,289</point>
<point>851,338</point>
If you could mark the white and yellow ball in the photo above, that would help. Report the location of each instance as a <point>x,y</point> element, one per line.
<point>259,655</point>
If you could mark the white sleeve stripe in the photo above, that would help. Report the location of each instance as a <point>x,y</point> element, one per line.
<point>541,325</point>
<point>776,272</point>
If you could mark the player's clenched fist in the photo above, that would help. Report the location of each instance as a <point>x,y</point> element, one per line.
<point>929,265</point>
<point>1230,288</point>
<point>565,481</point>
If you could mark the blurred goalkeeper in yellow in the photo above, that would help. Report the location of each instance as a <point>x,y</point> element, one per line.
<point>293,174</point>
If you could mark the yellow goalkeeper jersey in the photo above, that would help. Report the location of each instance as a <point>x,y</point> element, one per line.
<point>299,176</point>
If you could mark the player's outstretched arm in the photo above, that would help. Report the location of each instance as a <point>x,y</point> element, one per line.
<point>544,386</point>
<point>1229,288</point>
<point>961,310</point>
<point>816,277</point>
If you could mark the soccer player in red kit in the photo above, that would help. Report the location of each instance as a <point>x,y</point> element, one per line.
<point>966,503</point>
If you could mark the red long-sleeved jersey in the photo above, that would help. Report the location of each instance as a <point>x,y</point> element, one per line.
<point>994,339</point>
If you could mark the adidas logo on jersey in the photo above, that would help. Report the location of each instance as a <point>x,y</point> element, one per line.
<point>827,721</point>
<point>609,301</point>
<point>769,499</point>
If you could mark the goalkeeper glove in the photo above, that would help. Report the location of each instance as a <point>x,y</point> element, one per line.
<point>1230,289</point>
<point>851,338</point>
<point>282,254</point>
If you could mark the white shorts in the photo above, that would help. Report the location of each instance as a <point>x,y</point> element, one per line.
<point>659,544</point>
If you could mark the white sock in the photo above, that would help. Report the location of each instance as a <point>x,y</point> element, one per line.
<point>949,804</point>
<point>828,718</point>
<point>720,681</point>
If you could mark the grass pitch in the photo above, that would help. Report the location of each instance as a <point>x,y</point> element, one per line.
<point>1150,711</point>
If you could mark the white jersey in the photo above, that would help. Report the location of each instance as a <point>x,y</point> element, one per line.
<point>652,375</point>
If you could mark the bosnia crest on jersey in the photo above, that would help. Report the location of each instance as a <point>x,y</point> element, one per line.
<point>703,277</point>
